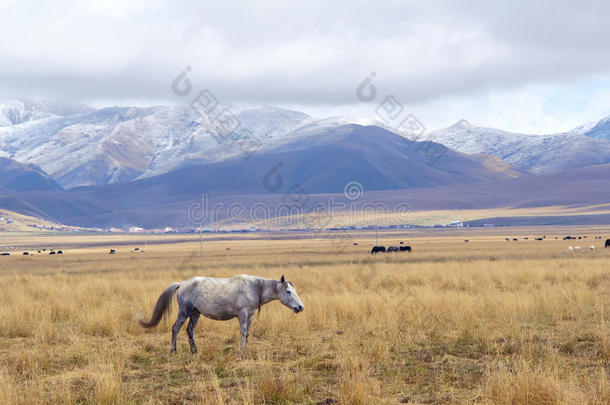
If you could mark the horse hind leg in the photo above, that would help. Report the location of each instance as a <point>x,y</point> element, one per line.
<point>182,316</point>
<point>190,330</point>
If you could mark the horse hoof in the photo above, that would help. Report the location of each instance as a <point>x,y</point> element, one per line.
<point>173,351</point>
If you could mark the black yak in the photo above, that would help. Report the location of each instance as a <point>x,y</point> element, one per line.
<point>377,249</point>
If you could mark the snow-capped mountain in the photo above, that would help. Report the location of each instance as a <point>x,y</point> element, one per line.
<point>601,130</point>
<point>119,144</point>
<point>78,146</point>
<point>14,112</point>
<point>538,154</point>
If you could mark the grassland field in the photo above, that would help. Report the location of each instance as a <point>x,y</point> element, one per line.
<point>480,322</point>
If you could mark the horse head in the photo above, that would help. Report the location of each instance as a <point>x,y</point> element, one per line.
<point>288,295</point>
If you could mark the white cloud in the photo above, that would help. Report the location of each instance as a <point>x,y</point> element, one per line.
<point>500,64</point>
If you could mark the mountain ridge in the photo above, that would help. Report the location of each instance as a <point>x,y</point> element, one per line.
<point>84,207</point>
<point>537,154</point>
<point>80,146</point>
<point>16,176</point>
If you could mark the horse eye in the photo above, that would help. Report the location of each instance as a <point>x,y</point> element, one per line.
<point>288,292</point>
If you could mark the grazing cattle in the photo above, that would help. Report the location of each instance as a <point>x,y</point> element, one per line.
<point>580,237</point>
<point>26,254</point>
<point>39,251</point>
<point>592,247</point>
<point>5,254</point>
<point>507,239</point>
<point>515,239</point>
<point>112,251</point>
<point>51,252</point>
<point>538,238</point>
<point>228,249</point>
<point>570,248</point>
<point>401,243</point>
<point>221,299</point>
<point>576,247</point>
<point>392,249</point>
<point>526,238</point>
<point>59,252</point>
<point>378,249</point>
<point>466,240</point>
<point>136,249</point>
<point>607,243</point>
<point>568,237</point>
<point>355,243</point>
<point>405,249</point>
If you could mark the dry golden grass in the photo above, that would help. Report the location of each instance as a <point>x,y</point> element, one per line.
<point>487,321</point>
<point>20,223</point>
<point>392,215</point>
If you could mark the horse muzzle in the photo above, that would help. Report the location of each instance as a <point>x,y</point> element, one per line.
<point>298,309</point>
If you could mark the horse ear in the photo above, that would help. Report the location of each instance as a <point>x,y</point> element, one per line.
<point>282,279</point>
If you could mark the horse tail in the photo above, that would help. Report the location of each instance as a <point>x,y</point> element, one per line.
<point>162,307</point>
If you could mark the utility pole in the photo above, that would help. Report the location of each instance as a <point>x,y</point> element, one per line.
<point>376,236</point>
<point>200,241</point>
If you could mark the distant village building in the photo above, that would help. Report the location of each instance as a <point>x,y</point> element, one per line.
<point>135,229</point>
<point>456,224</point>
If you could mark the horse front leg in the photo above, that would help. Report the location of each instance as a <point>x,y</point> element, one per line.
<point>244,327</point>
<point>250,318</point>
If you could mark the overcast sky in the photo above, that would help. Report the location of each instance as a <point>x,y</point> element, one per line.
<point>528,66</point>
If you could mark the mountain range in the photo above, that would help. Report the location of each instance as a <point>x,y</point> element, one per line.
<point>537,154</point>
<point>79,146</point>
<point>144,165</point>
<point>119,144</point>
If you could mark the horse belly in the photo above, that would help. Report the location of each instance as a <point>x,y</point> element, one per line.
<point>216,309</point>
<point>218,312</point>
<point>219,317</point>
<point>214,299</point>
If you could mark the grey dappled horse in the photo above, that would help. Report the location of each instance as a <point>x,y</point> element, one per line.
<point>221,299</point>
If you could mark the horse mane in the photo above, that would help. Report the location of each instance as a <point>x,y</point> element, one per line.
<point>261,287</point>
<point>261,283</point>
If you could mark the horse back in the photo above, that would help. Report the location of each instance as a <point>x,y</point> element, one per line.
<point>218,297</point>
